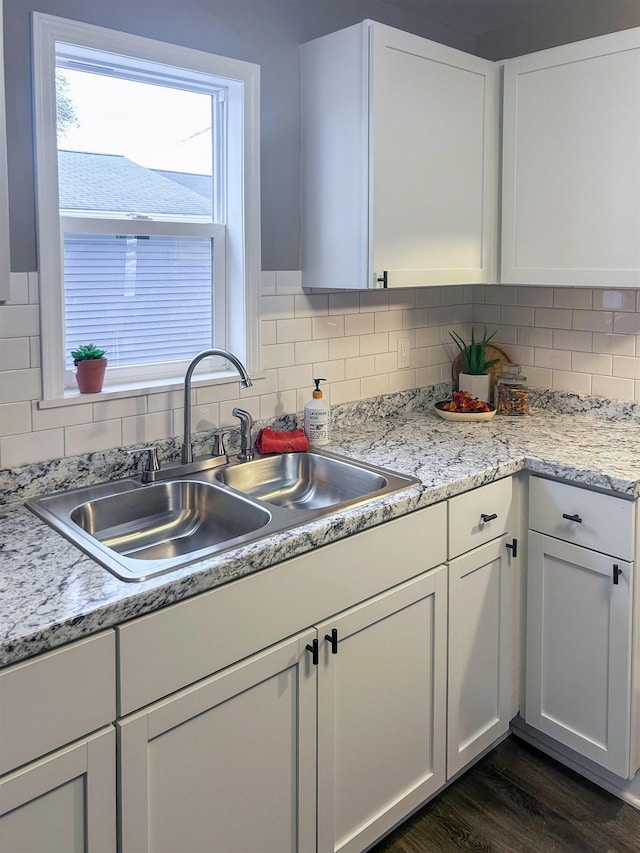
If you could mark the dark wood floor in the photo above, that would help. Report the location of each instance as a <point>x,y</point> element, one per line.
<point>517,800</point>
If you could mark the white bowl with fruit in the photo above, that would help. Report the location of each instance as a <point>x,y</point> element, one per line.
<point>464,407</point>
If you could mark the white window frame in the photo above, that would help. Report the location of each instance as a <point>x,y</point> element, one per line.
<point>241,202</point>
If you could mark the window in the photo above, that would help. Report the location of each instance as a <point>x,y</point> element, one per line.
<point>147,181</point>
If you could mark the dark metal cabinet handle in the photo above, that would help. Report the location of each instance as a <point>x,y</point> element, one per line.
<point>333,639</point>
<point>513,547</point>
<point>313,648</point>
<point>574,517</point>
<point>617,571</point>
<point>486,517</point>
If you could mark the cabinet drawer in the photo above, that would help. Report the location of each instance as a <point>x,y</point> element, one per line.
<point>601,522</point>
<point>56,698</point>
<point>479,516</point>
<point>166,650</point>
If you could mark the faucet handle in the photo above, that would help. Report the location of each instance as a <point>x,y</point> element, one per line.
<point>219,448</point>
<point>152,463</point>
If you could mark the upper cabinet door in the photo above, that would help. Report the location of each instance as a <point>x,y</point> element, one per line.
<point>399,160</point>
<point>571,165</point>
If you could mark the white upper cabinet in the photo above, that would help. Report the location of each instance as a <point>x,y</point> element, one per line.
<point>399,161</point>
<point>571,165</point>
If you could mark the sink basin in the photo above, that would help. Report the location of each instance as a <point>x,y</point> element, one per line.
<point>304,480</point>
<point>139,531</point>
<point>168,519</point>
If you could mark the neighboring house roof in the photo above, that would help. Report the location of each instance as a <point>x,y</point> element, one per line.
<point>201,184</point>
<point>112,182</point>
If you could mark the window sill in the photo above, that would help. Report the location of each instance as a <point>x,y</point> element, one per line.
<point>73,397</point>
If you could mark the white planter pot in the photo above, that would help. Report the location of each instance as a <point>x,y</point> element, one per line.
<point>477,384</point>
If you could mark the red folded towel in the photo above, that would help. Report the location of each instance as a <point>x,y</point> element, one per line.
<point>270,441</point>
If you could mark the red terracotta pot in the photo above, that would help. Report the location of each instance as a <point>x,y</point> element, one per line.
<point>90,375</point>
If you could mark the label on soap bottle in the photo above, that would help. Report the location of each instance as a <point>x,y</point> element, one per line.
<point>316,426</point>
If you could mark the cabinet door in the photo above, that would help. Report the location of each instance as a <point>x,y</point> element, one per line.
<point>65,803</point>
<point>578,671</point>
<point>433,163</point>
<point>227,765</point>
<point>571,171</point>
<point>399,161</point>
<point>481,648</point>
<point>381,712</point>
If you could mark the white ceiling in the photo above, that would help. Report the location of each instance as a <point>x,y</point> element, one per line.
<point>481,16</point>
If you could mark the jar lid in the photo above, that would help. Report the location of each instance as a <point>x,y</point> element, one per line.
<point>511,374</point>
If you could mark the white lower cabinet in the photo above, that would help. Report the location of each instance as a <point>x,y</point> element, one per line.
<point>482,643</point>
<point>230,763</point>
<point>64,803</point>
<point>579,651</point>
<point>381,712</point>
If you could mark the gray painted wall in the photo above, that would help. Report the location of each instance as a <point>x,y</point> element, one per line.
<point>267,32</point>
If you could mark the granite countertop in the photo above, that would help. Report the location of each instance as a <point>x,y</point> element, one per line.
<point>51,593</point>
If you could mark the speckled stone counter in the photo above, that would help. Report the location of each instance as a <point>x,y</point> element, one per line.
<point>51,593</point>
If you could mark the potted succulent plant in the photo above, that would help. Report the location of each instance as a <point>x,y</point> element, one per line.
<point>474,376</point>
<point>91,365</point>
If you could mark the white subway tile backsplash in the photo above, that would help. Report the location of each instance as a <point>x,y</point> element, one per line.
<point>626,367</point>
<point>15,418</point>
<point>536,297</point>
<point>19,286</point>
<point>347,347</point>
<point>576,383</point>
<point>592,362</point>
<point>32,447</point>
<point>556,359</point>
<point>359,324</point>
<point>614,344</point>
<point>279,355</point>
<point>370,344</point>
<point>614,300</point>
<point>92,437</point>
<point>288,281</point>
<point>19,385</point>
<point>612,387</point>
<point>276,307</point>
<point>567,339</point>
<point>306,352</point>
<point>344,303</point>
<point>311,305</point>
<point>584,341</point>
<point>356,368</point>
<point>625,324</point>
<point>332,326</point>
<point>387,321</point>
<point>145,429</point>
<point>290,331</point>
<point>594,321</point>
<point>535,337</point>
<point>572,297</point>
<point>18,321</point>
<point>553,318</point>
<point>14,353</point>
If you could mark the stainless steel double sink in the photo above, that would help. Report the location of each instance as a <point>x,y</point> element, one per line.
<point>138,531</point>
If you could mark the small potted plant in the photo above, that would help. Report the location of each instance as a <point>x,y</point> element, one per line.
<point>91,365</point>
<point>473,376</point>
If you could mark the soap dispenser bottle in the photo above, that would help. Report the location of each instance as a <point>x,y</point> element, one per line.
<point>316,418</point>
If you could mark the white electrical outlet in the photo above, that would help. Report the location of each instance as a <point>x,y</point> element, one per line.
<point>404,347</point>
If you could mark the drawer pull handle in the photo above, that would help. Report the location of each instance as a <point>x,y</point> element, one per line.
<point>513,547</point>
<point>574,517</point>
<point>333,640</point>
<point>486,517</point>
<point>313,648</point>
<point>617,571</point>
